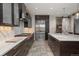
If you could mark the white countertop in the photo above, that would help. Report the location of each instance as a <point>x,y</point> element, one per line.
<point>5,47</point>
<point>65,37</point>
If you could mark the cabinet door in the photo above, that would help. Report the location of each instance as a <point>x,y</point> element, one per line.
<point>25,23</point>
<point>7,18</point>
<point>16,14</point>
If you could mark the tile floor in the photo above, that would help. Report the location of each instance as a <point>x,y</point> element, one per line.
<point>40,48</point>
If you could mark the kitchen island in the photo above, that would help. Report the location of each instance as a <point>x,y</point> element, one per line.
<point>64,44</point>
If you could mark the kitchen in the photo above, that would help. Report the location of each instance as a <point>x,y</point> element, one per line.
<point>55,25</point>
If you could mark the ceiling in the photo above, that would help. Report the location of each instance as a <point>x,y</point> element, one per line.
<point>55,9</point>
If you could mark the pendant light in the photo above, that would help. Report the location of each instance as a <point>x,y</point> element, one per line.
<point>77,14</point>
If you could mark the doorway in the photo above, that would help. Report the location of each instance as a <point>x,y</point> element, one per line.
<point>41,27</point>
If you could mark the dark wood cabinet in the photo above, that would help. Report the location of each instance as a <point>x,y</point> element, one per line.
<point>22,48</point>
<point>5,14</point>
<point>26,24</point>
<point>15,14</point>
<point>63,48</point>
<point>1,13</point>
<point>28,20</point>
<point>20,10</point>
<point>54,45</point>
<point>24,15</point>
<point>9,14</point>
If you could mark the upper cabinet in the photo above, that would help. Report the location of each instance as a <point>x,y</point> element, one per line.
<point>20,10</point>
<point>9,14</point>
<point>7,17</point>
<point>15,14</point>
<point>5,14</point>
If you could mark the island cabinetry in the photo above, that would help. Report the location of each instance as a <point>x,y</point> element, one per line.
<point>63,47</point>
<point>54,45</point>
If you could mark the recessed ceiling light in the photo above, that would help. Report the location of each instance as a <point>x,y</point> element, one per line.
<point>36,8</point>
<point>51,8</point>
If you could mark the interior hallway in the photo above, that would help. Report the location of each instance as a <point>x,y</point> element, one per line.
<point>40,48</point>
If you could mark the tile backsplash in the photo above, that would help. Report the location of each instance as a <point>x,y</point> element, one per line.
<point>5,28</point>
<point>5,33</point>
<point>28,30</point>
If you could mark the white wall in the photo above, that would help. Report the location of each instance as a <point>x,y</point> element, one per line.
<point>33,24</point>
<point>72,24</point>
<point>68,25</point>
<point>65,25</point>
<point>52,24</point>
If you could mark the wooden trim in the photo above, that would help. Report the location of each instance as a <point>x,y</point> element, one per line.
<point>70,32</point>
<point>6,24</point>
<point>76,33</point>
<point>12,7</point>
<point>1,13</point>
<point>20,10</point>
<point>40,17</point>
<point>63,17</point>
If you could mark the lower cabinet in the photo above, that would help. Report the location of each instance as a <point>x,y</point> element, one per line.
<point>63,48</point>
<point>22,48</point>
<point>54,44</point>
